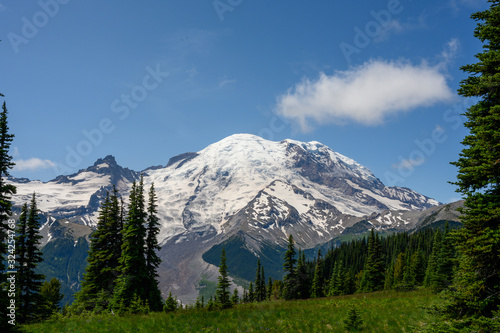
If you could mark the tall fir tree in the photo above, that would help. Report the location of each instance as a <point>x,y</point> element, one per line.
<point>152,260</point>
<point>29,300</point>
<point>258,284</point>
<point>263,289</point>
<point>338,280</point>
<point>478,278</point>
<point>103,259</point>
<point>317,282</point>
<point>302,276</point>
<point>290,279</point>
<point>430,272</point>
<point>222,292</point>
<point>6,192</point>
<point>373,272</point>
<point>133,270</point>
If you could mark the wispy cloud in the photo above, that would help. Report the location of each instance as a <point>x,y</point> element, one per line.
<point>397,26</point>
<point>226,82</point>
<point>33,164</point>
<point>449,52</point>
<point>367,94</point>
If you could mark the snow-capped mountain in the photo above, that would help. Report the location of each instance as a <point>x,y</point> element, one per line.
<point>208,188</point>
<point>243,185</point>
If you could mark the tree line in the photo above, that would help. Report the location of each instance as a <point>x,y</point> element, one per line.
<point>400,261</point>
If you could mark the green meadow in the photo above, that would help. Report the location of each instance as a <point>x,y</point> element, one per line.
<point>387,311</point>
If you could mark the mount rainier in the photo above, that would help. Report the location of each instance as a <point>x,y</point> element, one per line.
<point>242,188</point>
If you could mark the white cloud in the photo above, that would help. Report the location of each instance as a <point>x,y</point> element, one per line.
<point>398,27</point>
<point>226,82</point>
<point>449,52</point>
<point>367,94</point>
<point>33,164</point>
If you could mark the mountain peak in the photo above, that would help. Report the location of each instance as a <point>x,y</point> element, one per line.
<point>109,160</point>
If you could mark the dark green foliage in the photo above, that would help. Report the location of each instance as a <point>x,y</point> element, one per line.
<point>198,304</point>
<point>222,293</point>
<point>152,260</point>
<point>51,298</point>
<point>235,299</point>
<point>28,297</point>
<point>478,279</point>
<point>353,322</point>
<point>302,277</point>
<point>138,306</point>
<point>132,264</point>
<point>260,293</point>
<point>290,279</point>
<point>170,303</point>
<point>251,293</point>
<point>339,281</point>
<point>269,288</point>
<point>258,283</point>
<point>373,272</point>
<point>103,259</point>
<point>317,282</point>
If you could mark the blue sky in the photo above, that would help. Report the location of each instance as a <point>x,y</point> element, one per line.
<point>145,81</point>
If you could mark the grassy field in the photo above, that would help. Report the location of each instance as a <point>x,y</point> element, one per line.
<point>381,312</point>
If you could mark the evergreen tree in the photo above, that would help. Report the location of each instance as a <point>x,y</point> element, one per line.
<point>6,192</point>
<point>258,283</point>
<point>251,293</point>
<point>338,280</point>
<point>133,270</point>
<point>152,260</point>
<point>222,292</point>
<point>235,299</point>
<point>399,270</point>
<point>417,269</point>
<point>373,273</point>
<point>432,262</point>
<point>103,260</point>
<point>290,279</point>
<point>302,276</point>
<point>353,322</point>
<point>269,289</point>
<point>389,276</point>
<point>29,299</point>
<point>443,275</point>
<point>478,279</point>
<point>171,303</point>
<point>51,297</point>
<point>263,291</point>
<point>317,283</point>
